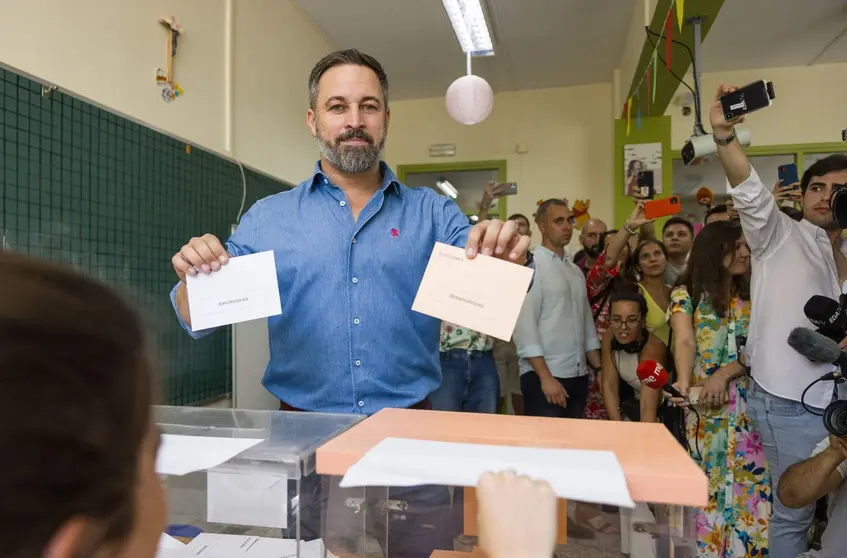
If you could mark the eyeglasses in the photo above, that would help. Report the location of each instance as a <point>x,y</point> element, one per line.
<point>631,322</point>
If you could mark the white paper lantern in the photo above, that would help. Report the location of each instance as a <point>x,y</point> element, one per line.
<point>469,100</point>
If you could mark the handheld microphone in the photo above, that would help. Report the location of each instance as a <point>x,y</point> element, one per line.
<point>828,316</point>
<point>653,375</point>
<point>817,348</point>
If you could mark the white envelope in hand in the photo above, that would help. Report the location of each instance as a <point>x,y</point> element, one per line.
<point>244,289</point>
<point>484,294</point>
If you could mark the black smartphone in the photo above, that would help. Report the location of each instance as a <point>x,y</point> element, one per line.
<point>752,97</point>
<point>645,184</point>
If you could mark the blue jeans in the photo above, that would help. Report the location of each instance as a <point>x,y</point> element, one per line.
<point>789,434</point>
<point>469,382</point>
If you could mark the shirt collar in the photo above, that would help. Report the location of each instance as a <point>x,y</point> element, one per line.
<point>542,250</point>
<point>389,179</point>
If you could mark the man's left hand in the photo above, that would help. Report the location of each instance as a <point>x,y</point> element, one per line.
<point>498,239</point>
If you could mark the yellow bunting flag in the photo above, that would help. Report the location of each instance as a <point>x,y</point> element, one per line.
<point>680,8</point>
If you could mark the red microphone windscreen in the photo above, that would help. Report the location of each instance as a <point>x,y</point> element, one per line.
<point>652,374</point>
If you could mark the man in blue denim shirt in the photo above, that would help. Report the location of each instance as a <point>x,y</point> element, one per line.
<point>351,245</point>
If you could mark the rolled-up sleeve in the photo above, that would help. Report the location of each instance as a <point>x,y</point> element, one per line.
<point>592,342</point>
<point>765,226</point>
<point>241,243</point>
<point>527,334</point>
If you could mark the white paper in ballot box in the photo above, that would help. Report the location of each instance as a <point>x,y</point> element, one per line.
<point>581,475</point>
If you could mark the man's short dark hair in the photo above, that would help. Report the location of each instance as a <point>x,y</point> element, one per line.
<point>821,167</point>
<point>720,208</point>
<point>678,221</point>
<point>343,58</point>
<point>514,216</point>
<point>541,213</point>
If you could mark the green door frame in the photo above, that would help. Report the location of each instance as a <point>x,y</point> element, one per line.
<point>499,166</point>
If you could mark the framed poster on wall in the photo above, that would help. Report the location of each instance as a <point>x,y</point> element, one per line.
<point>638,157</point>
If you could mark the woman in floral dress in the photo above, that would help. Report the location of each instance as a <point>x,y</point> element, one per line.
<point>709,316</point>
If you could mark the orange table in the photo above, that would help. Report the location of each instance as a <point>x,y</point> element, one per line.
<point>657,469</point>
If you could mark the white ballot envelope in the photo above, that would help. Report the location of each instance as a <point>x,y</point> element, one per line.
<point>484,294</point>
<point>244,289</point>
<point>257,499</point>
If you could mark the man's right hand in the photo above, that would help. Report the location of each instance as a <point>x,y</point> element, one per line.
<point>839,445</point>
<point>721,127</point>
<point>204,254</point>
<point>554,392</point>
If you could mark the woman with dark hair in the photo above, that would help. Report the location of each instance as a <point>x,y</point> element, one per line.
<point>710,314</point>
<point>77,441</point>
<point>625,345</point>
<point>647,269</point>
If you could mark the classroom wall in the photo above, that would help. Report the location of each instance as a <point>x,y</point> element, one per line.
<point>566,131</point>
<point>809,106</point>
<point>109,51</point>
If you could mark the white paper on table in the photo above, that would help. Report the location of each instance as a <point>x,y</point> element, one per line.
<point>210,545</point>
<point>244,289</point>
<point>484,294</point>
<point>253,499</point>
<point>169,547</point>
<point>180,455</point>
<point>581,475</point>
<point>314,549</point>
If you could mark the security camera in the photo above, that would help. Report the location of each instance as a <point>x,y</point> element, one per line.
<point>704,145</point>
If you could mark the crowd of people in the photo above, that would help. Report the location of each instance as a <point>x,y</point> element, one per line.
<point>78,443</point>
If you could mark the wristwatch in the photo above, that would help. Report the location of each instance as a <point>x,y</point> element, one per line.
<point>725,141</point>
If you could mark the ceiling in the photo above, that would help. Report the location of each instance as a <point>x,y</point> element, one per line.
<point>750,34</point>
<point>546,43</point>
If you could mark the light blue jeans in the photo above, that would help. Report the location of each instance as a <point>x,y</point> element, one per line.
<point>789,434</point>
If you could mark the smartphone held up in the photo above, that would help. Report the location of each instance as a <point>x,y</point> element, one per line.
<point>750,98</point>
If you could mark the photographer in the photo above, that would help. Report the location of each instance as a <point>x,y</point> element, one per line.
<point>820,475</point>
<point>791,262</point>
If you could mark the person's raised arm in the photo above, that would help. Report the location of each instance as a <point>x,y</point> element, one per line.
<point>655,351</point>
<point>619,241</point>
<point>810,480</point>
<point>765,226</point>
<point>610,380</point>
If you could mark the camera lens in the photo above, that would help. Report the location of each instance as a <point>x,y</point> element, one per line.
<point>835,418</point>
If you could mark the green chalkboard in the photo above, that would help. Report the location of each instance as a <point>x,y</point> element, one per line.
<point>85,186</point>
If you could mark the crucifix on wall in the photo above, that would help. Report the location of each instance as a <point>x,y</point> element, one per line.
<point>171,89</point>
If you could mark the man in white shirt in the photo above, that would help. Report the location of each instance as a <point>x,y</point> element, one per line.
<point>792,261</point>
<point>822,474</point>
<point>555,332</point>
<point>555,336</point>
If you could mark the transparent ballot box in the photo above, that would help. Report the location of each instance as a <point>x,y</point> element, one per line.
<point>243,483</point>
<point>409,490</point>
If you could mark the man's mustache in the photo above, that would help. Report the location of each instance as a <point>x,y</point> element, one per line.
<point>354,134</point>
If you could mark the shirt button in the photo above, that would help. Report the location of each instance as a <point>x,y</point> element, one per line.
<point>356,321</point>
<point>358,363</point>
<point>361,403</point>
<point>354,241</point>
<point>342,204</point>
<point>355,280</point>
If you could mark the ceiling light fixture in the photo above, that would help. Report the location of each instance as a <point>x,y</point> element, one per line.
<point>468,22</point>
<point>447,188</point>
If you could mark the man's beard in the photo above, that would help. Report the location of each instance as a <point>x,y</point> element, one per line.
<point>351,159</point>
<point>592,251</point>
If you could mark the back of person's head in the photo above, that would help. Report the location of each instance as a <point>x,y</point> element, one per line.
<point>719,212</point>
<point>77,446</point>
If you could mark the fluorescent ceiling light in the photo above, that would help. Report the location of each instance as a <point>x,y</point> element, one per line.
<point>447,188</point>
<point>469,24</point>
